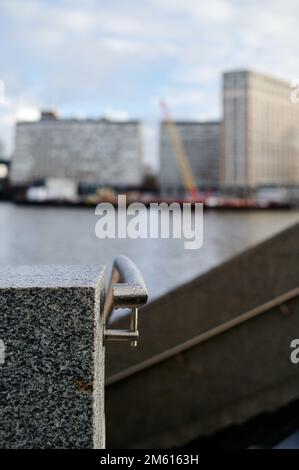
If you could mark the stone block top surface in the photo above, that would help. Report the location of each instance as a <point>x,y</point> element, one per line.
<point>50,276</point>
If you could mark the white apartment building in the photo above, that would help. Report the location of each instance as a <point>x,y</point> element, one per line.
<point>99,152</point>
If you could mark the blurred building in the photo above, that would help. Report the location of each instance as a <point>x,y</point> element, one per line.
<point>4,183</point>
<point>89,152</point>
<point>261,131</point>
<point>201,142</point>
<point>150,179</point>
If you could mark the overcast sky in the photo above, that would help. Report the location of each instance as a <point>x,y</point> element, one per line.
<point>118,58</point>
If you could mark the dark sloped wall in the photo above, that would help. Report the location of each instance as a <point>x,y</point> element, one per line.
<point>226,380</point>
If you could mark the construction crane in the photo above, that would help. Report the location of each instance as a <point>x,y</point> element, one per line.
<point>181,155</point>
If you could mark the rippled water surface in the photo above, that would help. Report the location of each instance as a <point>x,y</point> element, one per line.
<point>45,235</point>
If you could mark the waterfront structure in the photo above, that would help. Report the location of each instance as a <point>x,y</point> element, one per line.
<point>201,143</point>
<point>89,152</point>
<point>260,131</point>
<point>4,182</point>
<point>4,169</point>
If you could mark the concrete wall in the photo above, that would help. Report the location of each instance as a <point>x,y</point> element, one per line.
<point>223,381</point>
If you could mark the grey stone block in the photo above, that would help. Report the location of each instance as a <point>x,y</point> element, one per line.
<point>52,379</point>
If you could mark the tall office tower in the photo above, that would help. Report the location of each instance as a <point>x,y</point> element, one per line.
<point>201,142</point>
<point>98,152</point>
<point>260,131</point>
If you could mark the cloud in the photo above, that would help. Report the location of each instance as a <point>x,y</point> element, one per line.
<point>115,114</point>
<point>9,115</point>
<point>215,12</point>
<point>90,56</point>
<point>27,114</point>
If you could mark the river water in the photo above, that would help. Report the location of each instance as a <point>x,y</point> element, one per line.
<point>48,235</point>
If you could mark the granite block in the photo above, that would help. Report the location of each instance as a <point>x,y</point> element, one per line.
<point>52,378</point>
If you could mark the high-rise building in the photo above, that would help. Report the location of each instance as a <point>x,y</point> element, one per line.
<point>260,131</point>
<point>201,141</point>
<point>98,152</point>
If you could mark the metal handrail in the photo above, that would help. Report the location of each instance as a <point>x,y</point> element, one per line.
<point>202,337</point>
<point>126,289</point>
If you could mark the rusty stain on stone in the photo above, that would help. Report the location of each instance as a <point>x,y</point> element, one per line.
<point>82,386</point>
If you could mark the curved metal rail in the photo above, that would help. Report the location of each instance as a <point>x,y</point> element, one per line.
<point>126,289</point>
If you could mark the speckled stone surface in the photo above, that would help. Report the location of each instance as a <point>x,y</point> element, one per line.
<point>52,380</point>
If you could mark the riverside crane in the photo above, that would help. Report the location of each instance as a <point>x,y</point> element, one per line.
<point>185,169</point>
